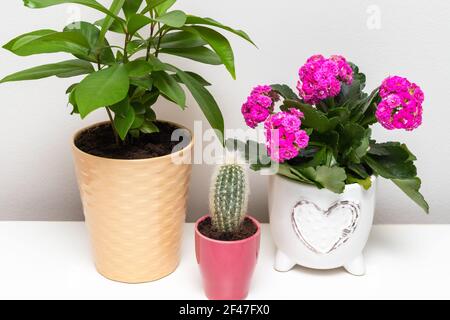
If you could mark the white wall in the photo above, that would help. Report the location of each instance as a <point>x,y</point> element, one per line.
<point>36,175</point>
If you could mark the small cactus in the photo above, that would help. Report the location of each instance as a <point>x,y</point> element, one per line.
<point>229,197</point>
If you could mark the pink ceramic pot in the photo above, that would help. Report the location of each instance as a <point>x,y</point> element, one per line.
<point>227,266</point>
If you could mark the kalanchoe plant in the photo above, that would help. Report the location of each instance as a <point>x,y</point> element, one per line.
<point>322,136</point>
<point>128,79</point>
<point>229,197</point>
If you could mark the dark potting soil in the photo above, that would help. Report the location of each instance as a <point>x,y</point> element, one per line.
<point>248,229</point>
<point>99,141</point>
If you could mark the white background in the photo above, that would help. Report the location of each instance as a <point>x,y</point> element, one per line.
<point>37,180</point>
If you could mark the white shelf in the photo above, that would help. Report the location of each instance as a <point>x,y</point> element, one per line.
<point>52,260</point>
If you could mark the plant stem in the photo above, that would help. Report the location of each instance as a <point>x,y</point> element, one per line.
<point>158,46</point>
<point>116,135</point>
<point>125,49</point>
<point>150,39</point>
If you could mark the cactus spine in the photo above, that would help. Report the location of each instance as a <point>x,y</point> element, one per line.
<point>229,197</point>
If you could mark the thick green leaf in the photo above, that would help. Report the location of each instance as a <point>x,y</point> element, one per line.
<point>131,6</point>
<point>365,183</point>
<point>48,3</point>
<point>137,22</point>
<point>211,22</point>
<point>124,118</point>
<point>391,160</point>
<point>182,39</point>
<point>169,87</point>
<point>411,188</point>
<point>354,142</point>
<point>64,69</point>
<point>285,91</point>
<point>205,101</point>
<point>332,178</point>
<point>48,41</point>
<point>219,44</point>
<point>138,68</point>
<point>101,89</point>
<point>174,19</point>
<point>313,118</point>
<point>116,6</point>
<point>200,54</point>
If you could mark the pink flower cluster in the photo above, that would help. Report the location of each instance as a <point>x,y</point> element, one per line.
<point>321,78</point>
<point>259,105</point>
<point>284,136</point>
<point>401,104</point>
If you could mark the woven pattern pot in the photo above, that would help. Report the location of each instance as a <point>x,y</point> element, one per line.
<point>135,211</point>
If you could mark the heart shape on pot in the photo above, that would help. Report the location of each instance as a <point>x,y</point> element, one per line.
<point>323,231</point>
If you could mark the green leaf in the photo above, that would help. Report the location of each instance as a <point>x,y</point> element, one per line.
<point>114,27</point>
<point>37,4</point>
<point>101,89</point>
<point>285,91</point>
<point>116,6</point>
<point>354,142</point>
<point>313,118</point>
<point>48,41</point>
<point>135,46</point>
<point>205,101</point>
<point>138,68</point>
<point>161,7</point>
<point>149,127</point>
<point>197,77</point>
<point>358,169</point>
<point>219,44</point>
<point>391,160</point>
<point>131,6</point>
<point>211,22</point>
<point>157,64</point>
<point>182,39</point>
<point>332,178</point>
<point>97,50</point>
<point>151,4</point>
<point>365,183</point>
<point>124,118</point>
<point>142,82</point>
<point>169,87</point>
<point>64,69</point>
<point>200,54</point>
<point>174,19</point>
<point>137,22</point>
<point>411,188</point>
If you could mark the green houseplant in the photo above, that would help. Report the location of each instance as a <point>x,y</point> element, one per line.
<point>134,196</point>
<point>322,199</point>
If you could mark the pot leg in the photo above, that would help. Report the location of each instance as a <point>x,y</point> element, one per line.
<point>357,266</point>
<point>282,262</point>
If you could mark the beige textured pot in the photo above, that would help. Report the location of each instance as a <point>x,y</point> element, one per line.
<point>134,211</point>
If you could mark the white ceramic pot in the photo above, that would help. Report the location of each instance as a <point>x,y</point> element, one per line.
<point>317,228</point>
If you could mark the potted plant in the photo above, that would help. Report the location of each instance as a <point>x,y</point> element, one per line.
<point>227,241</point>
<point>133,194</point>
<point>322,200</point>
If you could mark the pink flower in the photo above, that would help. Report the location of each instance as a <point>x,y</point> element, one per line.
<point>401,104</point>
<point>321,78</point>
<point>283,135</point>
<point>259,105</point>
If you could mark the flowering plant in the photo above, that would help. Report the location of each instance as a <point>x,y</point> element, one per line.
<point>322,136</point>
<point>128,79</point>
